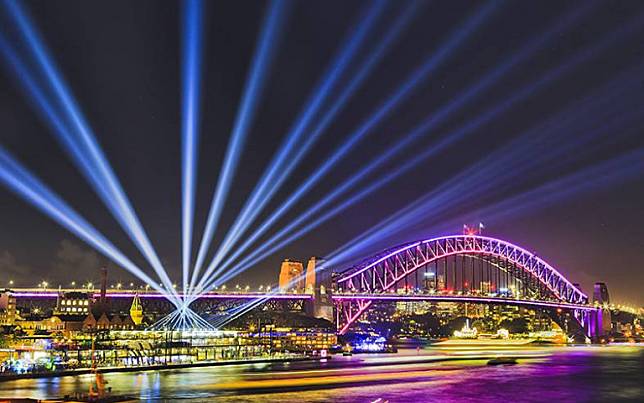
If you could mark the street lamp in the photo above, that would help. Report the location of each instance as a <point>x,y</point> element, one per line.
<point>10,282</point>
<point>73,284</point>
<point>118,286</point>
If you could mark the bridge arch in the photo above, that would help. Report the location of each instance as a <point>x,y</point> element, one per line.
<point>383,272</point>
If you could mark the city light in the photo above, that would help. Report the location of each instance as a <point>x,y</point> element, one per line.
<point>316,188</point>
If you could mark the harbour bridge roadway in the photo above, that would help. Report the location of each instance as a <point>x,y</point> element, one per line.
<point>54,293</point>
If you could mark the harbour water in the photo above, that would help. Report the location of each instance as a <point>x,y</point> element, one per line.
<point>574,374</point>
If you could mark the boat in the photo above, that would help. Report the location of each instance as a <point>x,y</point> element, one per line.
<point>468,336</point>
<point>502,361</point>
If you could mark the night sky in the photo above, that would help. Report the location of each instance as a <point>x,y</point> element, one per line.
<point>122,60</point>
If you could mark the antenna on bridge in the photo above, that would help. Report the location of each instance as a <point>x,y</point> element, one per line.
<point>467,230</point>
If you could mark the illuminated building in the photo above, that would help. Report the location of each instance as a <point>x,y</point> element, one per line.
<point>8,311</point>
<point>136,310</point>
<point>74,303</point>
<point>298,340</point>
<point>291,276</point>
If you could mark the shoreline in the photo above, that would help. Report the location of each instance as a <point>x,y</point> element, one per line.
<point>106,370</point>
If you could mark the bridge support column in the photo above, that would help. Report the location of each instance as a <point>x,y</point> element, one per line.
<point>593,322</point>
<point>348,311</point>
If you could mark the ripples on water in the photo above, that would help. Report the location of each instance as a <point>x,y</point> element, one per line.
<point>586,374</point>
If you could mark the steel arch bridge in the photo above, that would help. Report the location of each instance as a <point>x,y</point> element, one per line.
<point>459,268</point>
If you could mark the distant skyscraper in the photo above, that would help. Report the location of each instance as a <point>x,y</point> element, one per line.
<point>291,276</point>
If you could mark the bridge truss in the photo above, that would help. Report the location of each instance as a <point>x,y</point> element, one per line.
<point>455,268</point>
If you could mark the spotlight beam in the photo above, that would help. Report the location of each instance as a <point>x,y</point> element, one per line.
<point>77,138</point>
<point>191,84</point>
<point>446,141</point>
<point>390,37</point>
<point>25,185</point>
<point>508,163</point>
<point>494,173</point>
<point>434,61</point>
<point>333,73</point>
<point>620,169</point>
<point>255,81</point>
<point>436,119</point>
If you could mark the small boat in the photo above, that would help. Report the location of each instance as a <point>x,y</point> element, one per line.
<point>502,361</point>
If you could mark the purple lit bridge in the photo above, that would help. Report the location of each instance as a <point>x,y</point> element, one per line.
<point>466,269</point>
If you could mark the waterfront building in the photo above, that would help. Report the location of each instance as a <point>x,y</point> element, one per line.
<point>33,324</point>
<point>136,311</point>
<point>73,303</point>
<point>8,310</point>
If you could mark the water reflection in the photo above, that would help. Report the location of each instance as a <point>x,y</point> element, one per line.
<point>574,374</point>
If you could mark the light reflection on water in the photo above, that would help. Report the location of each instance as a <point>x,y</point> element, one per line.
<point>613,373</point>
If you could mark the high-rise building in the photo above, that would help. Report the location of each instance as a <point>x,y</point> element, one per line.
<point>291,276</point>
<point>8,311</point>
